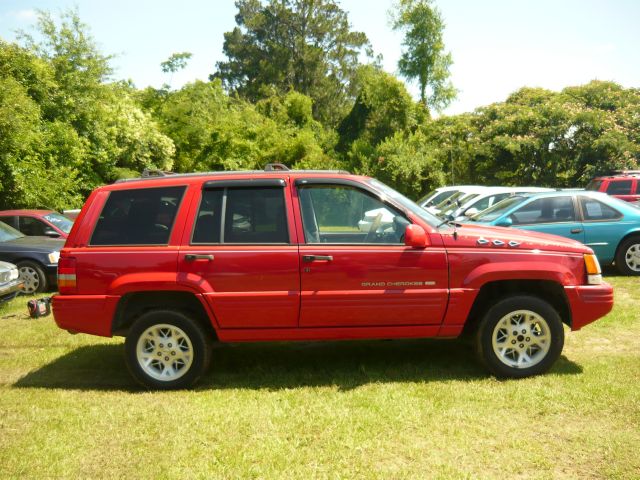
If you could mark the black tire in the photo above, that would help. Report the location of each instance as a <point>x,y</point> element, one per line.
<point>529,342</point>
<point>33,277</point>
<point>626,255</point>
<point>190,344</point>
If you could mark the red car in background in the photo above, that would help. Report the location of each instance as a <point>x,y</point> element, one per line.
<point>622,184</point>
<point>44,223</point>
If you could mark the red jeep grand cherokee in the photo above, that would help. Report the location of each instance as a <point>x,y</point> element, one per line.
<point>175,262</point>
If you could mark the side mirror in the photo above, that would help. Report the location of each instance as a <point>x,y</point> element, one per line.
<point>50,232</point>
<point>505,222</point>
<point>415,236</point>
<point>470,212</point>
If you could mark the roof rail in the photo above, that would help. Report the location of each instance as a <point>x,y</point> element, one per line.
<point>155,172</point>
<point>271,167</point>
<point>626,172</point>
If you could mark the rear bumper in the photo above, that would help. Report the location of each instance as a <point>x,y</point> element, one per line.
<point>588,303</point>
<point>91,314</point>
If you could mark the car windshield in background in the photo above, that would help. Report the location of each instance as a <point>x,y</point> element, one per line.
<point>405,202</point>
<point>440,197</point>
<point>498,209</point>
<point>60,221</point>
<point>8,233</point>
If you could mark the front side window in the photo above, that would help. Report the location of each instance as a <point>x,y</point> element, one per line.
<point>32,226</point>
<point>142,216</point>
<point>346,215</point>
<point>241,215</point>
<point>546,210</point>
<point>594,210</point>
<point>619,187</point>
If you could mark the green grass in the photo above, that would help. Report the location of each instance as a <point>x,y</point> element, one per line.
<point>370,409</point>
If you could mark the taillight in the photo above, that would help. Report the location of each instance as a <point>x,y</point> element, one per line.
<point>67,275</point>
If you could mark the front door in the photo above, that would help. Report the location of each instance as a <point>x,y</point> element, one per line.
<point>356,270</point>
<point>555,215</point>
<point>240,254</point>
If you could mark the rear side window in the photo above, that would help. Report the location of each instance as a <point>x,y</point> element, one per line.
<point>594,185</point>
<point>592,209</point>
<point>546,210</point>
<point>142,216</point>
<point>11,221</point>
<point>242,215</point>
<point>619,187</point>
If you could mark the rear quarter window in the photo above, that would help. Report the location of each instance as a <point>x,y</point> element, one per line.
<point>142,216</point>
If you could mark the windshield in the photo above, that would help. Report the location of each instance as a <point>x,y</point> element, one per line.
<point>8,233</point>
<point>405,202</point>
<point>60,221</point>
<point>439,197</point>
<point>498,209</point>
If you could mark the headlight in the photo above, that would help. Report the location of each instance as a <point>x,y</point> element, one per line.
<point>54,257</point>
<point>13,274</point>
<point>591,264</point>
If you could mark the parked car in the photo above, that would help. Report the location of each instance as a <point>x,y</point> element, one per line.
<point>436,196</point>
<point>45,223</point>
<point>482,201</point>
<point>623,184</point>
<point>10,283</point>
<point>461,197</point>
<point>162,262</point>
<point>36,258</point>
<point>611,227</point>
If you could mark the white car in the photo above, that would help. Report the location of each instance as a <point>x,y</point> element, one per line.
<point>492,195</point>
<point>438,195</point>
<point>464,194</point>
<point>380,216</point>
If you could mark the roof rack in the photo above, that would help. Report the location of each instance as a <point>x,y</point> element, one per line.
<point>271,167</point>
<point>150,174</point>
<point>626,172</point>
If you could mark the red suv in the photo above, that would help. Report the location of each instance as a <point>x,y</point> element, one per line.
<point>176,262</point>
<point>624,184</point>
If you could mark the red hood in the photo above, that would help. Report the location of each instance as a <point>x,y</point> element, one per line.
<point>468,236</point>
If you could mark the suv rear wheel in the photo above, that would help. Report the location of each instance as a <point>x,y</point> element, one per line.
<point>166,350</point>
<point>520,336</point>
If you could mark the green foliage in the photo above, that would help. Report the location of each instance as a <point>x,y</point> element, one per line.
<point>423,58</point>
<point>302,45</point>
<point>175,62</point>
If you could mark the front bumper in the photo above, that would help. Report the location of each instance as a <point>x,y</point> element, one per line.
<point>588,303</point>
<point>9,290</point>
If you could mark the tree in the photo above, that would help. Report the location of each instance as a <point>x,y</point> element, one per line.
<point>423,58</point>
<point>302,45</point>
<point>176,62</point>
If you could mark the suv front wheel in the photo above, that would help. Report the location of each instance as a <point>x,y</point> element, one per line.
<point>520,336</point>
<point>166,350</point>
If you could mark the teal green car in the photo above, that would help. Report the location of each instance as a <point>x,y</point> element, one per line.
<point>611,227</point>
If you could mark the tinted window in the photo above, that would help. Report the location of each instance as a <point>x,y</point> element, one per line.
<point>11,221</point>
<point>595,210</point>
<point>255,215</point>
<point>619,187</point>
<point>209,221</point>
<point>32,226</point>
<point>546,210</point>
<point>138,217</point>
<point>339,214</point>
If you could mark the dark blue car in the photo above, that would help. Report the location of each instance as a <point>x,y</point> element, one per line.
<point>36,258</point>
<point>611,227</point>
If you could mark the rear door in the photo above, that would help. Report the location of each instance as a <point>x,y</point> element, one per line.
<point>555,215</point>
<point>242,254</point>
<point>356,270</point>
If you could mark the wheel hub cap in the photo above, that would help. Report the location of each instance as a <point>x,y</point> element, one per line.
<point>521,339</point>
<point>632,257</point>
<point>30,279</point>
<point>164,352</point>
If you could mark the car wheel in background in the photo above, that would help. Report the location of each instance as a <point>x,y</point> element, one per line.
<point>520,336</point>
<point>167,350</point>
<point>33,277</point>
<point>628,256</point>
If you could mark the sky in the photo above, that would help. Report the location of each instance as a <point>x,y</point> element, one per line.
<point>498,46</point>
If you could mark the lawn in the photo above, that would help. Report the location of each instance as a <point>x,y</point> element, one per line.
<point>369,409</point>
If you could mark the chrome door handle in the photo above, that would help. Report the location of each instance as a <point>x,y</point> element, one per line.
<point>192,257</point>
<point>576,230</point>
<point>313,258</point>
